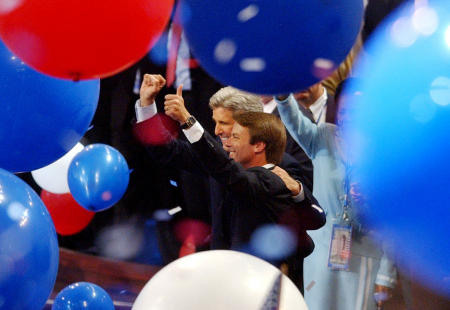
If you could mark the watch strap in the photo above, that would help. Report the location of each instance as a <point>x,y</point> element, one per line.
<point>189,122</point>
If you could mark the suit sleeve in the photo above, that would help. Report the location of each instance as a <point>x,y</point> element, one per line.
<point>245,184</point>
<point>177,154</point>
<point>226,171</point>
<point>309,211</point>
<point>296,170</point>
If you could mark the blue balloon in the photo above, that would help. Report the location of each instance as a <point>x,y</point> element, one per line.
<point>399,137</point>
<point>42,117</point>
<point>83,295</point>
<point>29,253</point>
<point>98,177</point>
<point>271,47</point>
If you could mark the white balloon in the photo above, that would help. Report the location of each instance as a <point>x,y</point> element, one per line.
<point>53,178</point>
<point>217,280</point>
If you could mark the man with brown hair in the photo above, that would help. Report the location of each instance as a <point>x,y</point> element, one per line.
<point>252,190</point>
<point>257,139</point>
<point>254,194</point>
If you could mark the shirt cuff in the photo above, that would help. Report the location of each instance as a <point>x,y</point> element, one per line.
<point>144,113</point>
<point>300,196</point>
<point>385,281</point>
<point>194,133</point>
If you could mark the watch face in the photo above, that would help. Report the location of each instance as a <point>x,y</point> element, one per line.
<point>189,123</point>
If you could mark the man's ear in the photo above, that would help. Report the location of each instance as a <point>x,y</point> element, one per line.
<point>259,147</point>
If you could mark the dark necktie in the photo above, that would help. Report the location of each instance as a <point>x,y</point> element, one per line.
<point>309,114</point>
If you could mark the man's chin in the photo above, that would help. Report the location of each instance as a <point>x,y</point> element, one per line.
<point>227,149</point>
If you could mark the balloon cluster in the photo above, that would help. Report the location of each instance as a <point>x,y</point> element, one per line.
<point>84,181</point>
<point>245,281</point>
<point>398,136</point>
<point>78,40</point>
<point>271,47</point>
<point>29,253</point>
<point>43,117</point>
<point>38,109</point>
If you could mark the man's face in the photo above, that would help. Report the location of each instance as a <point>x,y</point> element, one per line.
<point>308,96</point>
<point>224,124</point>
<point>239,146</point>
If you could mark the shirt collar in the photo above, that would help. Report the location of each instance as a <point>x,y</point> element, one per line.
<point>269,166</point>
<point>318,106</point>
<point>270,106</point>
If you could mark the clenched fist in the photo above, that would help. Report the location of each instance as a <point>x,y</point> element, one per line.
<point>150,87</point>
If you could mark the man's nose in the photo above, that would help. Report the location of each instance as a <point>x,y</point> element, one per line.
<point>218,130</point>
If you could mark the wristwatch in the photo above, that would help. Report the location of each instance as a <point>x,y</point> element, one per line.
<point>189,122</point>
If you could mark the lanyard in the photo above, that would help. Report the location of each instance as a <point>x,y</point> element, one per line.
<point>347,203</point>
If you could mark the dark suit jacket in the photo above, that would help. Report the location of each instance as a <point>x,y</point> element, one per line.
<point>226,234</point>
<point>254,197</point>
<point>178,155</point>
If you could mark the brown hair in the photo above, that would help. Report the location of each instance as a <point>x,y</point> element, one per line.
<point>267,128</point>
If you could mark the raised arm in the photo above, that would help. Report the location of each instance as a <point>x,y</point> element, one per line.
<point>176,154</point>
<point>145,107</point>
<point>305,132</point>
<point>225,170</point>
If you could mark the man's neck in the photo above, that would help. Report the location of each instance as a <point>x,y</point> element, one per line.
<point>258,161</point>
<point>316,97</point>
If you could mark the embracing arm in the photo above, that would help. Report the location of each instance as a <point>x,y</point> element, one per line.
<point>307,210</point>
<point>297,171</point>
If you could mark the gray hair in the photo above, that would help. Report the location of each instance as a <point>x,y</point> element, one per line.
<point>236,100</point>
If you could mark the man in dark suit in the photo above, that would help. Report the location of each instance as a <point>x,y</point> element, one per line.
<point>255,194</point>
<point>223,104</point>
<point>181,155</point>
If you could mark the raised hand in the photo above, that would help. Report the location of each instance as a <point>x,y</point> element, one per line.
<point>174,106</point>
<point>150,87</point>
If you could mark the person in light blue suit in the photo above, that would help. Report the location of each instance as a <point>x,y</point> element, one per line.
<point>329,285</point>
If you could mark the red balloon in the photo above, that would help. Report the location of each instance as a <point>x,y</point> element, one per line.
<point>76,39</point>
<point>67,215</point>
